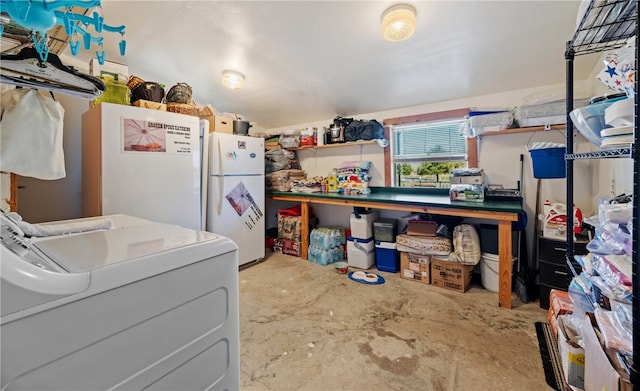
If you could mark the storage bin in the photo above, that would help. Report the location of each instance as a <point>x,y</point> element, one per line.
<point>361,252</point>
<point>590,119</point>
<point>549,163</point>
<point>290,139</point>
<point>362,226</point>
<point>490,270</point>
<point>387,259</point>
<point>384,230</point>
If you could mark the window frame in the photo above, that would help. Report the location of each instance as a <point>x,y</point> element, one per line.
<point>472,142</point>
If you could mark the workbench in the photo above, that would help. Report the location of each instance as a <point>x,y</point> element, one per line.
<point>432,201</point>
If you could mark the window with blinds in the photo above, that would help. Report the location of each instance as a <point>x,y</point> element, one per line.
<point>424,154</point>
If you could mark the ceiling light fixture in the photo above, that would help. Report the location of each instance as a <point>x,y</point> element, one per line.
<point>232,79</point>
<point>398,22</point>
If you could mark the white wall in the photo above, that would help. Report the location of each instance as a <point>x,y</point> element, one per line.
<point>499,156</point>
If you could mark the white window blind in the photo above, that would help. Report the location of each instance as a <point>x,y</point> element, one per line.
<point>430,141</point>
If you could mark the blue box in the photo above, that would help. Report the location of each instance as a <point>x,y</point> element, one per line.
<point>549,163</point>
<point>387,257</point>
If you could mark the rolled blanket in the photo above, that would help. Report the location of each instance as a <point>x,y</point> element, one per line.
<point>424,245</point>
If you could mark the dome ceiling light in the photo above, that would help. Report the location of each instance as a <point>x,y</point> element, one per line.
<point>232,79</point>
<point>398,22</point>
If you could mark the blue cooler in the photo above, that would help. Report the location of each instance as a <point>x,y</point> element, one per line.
<point>387,259</point>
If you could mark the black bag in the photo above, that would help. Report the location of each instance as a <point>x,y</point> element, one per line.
<point>364,130</point>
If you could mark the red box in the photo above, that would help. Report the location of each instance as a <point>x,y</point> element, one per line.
<point>287,246</point>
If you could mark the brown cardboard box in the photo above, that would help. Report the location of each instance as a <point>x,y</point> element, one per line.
<point>422,228</point>
<point>207,112</point>
<point>287,246</point>
<point>599,373</point>
<point>415,267</point>
<point>450,275</point>
<point>148,104</point>
<point>223,125</point>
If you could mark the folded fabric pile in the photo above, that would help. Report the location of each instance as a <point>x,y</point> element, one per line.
<point>283,180</point>
<point>354,178</point>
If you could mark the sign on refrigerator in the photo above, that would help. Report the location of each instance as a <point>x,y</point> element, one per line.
<point>155,136</point>
<point>244,205</point>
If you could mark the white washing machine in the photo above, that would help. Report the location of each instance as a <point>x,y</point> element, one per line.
<point>142,305</point>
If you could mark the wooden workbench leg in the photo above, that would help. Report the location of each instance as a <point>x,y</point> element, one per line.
<point>505,257</point>
<point>304,229</point>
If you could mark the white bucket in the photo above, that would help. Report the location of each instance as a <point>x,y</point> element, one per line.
<point>489,270</point>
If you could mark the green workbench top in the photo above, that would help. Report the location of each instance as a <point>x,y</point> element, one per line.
<point>412,196</point>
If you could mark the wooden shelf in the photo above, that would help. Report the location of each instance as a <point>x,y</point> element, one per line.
<point>524,130</point>
<point>347,144</point>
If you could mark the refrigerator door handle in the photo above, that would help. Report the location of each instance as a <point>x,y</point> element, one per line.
<point>220,177</point>
<point>204,156</point>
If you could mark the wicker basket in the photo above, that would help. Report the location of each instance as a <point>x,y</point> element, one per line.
<point>182,108</point>
<point>134,81</point>
<point>148,91</point>
<point>180,93</point>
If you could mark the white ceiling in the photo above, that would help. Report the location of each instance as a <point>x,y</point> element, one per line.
<point>307,61</point>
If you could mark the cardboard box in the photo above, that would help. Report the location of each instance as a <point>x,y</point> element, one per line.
<point>599,372</point>
<point>287,246</point>
<point>148,104</point>
<point>222,125</point>
<point>421,228</point>
<point>207,112</point>
<point>451,275</point>
<point>415,267</point>
<point>571,354</point>
<point>110,69</point>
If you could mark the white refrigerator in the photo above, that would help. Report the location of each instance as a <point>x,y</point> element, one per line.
<point>236,192</point>
<point>146,163</point>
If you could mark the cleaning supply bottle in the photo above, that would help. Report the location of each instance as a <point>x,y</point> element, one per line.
<point>332,181</point>
<point>577,220</point>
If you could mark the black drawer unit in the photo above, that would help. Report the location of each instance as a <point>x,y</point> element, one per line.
<point>554,272</point>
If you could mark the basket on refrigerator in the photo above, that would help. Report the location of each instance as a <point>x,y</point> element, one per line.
<point>148,91</point>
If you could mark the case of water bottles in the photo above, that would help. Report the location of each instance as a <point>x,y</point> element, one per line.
<point>326,245</point>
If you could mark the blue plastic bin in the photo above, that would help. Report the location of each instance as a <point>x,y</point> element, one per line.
<point>549,163</point>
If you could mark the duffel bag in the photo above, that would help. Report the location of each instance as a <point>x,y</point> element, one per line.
<point>364,130</point>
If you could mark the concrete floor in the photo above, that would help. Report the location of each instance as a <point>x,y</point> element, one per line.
<point>305,327</point>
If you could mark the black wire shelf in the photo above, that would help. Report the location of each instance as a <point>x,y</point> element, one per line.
<point>605,25</point>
